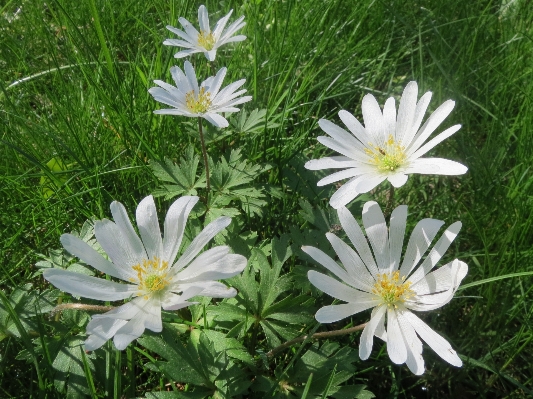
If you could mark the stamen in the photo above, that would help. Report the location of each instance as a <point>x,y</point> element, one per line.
<point>389,158</point>
<point>392,289</point>
<point>152,275</point>
<point>200,104</point>
<point>206,40</point>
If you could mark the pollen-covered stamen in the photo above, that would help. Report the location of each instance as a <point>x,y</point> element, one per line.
<point>389,157</point>
<point>198,104</point>
<point>392,289</point>
<point>152,275</point>
<point>206,40</point>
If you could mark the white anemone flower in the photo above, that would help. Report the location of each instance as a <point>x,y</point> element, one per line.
<point>392,288</point>
<point>205,41</point>
<point>205,101</point>
<point>148,264</point>
<point>388,147</point>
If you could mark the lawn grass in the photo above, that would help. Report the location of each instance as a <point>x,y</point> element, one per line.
<point>86,67</point>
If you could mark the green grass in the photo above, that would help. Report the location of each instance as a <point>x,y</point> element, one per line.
<point>89,65</point>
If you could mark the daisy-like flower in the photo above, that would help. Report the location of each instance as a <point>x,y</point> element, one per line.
<point>206,101</point>
<point>205,41</point>
<point>392,288</point>
<point>155,279</point>
<point>389,147</point>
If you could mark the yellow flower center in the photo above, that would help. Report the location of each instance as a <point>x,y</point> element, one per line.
<point>200,104</point>
<point>151,275</point>
<point>392,289</point>
<point>387,158</point>
<point>206,40</point>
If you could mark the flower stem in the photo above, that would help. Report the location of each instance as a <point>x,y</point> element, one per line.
<point>390,202</point>
<point>206,163</point>
<point>326,334</point>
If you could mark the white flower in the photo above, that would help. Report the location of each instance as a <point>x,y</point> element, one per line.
<point>205,101</point>
<point>205,41</point>
<point>147,264</point>
<point>379,282</point>
<point>389,147</point>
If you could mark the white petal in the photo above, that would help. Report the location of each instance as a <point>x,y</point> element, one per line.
<point>216,120</point>
<point>345,194</point>
<point>395,342</point>
<point>211,266</point>
<point>101,330</point>
<point>398,179</point>
<point>82,250</point>
<point>81,285</point>
<point>110,238</point>
<point>398,221</point>
<point>339,134</point>
<point>373,118</point>
<point>203,19</point>
<point>337,176</point>
<point>355,127</point>
<point>327,262</point>
<point>406,111</point>
<point>337,162</point>
<point>434,340</point>
<point>436,252</point>
<point>220,25</point>
<point>212,289</point>
<point>191,76</point>
<point>369,182</point>
<point>431,124</point>
<point>414,361</point>
<point>176,302</point>
<point>175,222</point>
<point>189,29</point>
<point>339,290</point>
<point>343,148</point>
<point>421,108</point>
<point>389,116</point>
<point>120,216</point>
<point>422,235</point>
<point>367,337</point>
<point>333,313</point>
<point>358,239</point>
<point>214,87</point>
<point>361,278</point>
<point>433,142</point>
<point>377,233</point>
<point>436,166</point>
<point>211,230</point>
<point>149,227</point>
<point>185,53</point>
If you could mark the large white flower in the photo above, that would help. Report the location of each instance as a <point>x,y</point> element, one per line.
<point>378,281</point>
<point>205,101</point>
<point>205,41</point>
<point>155,281</point>
<point>389,147</point>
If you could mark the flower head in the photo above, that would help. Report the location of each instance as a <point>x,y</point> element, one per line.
<point>155,280</point>
<point>206,100</point>
<point>392,288</point>
<point>389,147</point>
<point>206,41</point>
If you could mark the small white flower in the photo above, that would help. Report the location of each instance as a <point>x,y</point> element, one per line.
<point>389,147</point>
<point>147,264</point>
<point>205,41</point>
<point>205,101</point>
<point>378,281</point>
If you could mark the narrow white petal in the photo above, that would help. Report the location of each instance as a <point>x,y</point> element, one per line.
<point>398,179</point>
<point>422,235</point>
<point>395,342</point>
<point>175,222</point>
<point>176,302</point>
<point>191,76</point>
<point>182,83</point>
<point>434,340</point>
<point>120,216</point>
<point>220,25</point>
<point>414,361</point>
<point>333,313</point>
<point>180,43</point>
<point>431,124</point>
<point>148,225</point>
<point>436,166</point>
<point>389,116</point>
<point>180,33</point>
<point>110,238</point>
<point>211,230</point>
<point>134,328</point>
<point>374,123</point>
<point>216,120</point>
<point>358,239</point>
<point>337,162</point>
<point>82,250</point>
<point>377,233</point>
<point>325,260</point>
<point>339,134</point>
<point>238,38</point>
<point>81,285</point>
<point>353,264</point>
<point>339,290</point>
<point>228,91</point>
<point>124,312</point>
<point>398,221</point>
<point>406,111</point>
<point>369,182</point>
<point>337,176</point>
<point>203,19</point>
<point>345,194</point>
<point>186,53</point>
<point>214,86</point>
<point>100,331</point>
<point>367,337</point>
<point>212,289</point>
<point>420,111</point>
<point>189,29</point>
<point>436,252</point>
<point>433,142</point>
<point>212,267</point>
<point>355,127</point>
<point>343,148</point>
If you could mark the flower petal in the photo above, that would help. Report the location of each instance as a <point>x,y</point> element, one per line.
<point>406,111</point>
<point>355,127</point>
<point>436,166</point>
<point>398,221</point>
<point>337,162</point>
<point>214,264</point>
<point>216,120</point>
<point>367,337</point>
<point>212,289</point>
<point>398,179</point>
<point>148,225</point>
<point>377,233</point>
<point>339,290</point>
<point>324,259</point>
<point>333,313</point>
<point>175,222</point>
<point>132,240</point>
<point>414,361</point>
<point>395,343</point>
<point>100,331</point>
<point>374,123</point>
<point>81,285</point>
<point>203,19</point>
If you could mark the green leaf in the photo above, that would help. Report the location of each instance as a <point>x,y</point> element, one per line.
<point>55,178</point>
<point>254,123</point>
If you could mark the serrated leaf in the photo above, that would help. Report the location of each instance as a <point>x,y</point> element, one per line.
<point>255,122</point>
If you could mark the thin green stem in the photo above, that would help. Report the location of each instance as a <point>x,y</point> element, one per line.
<point>206,163</point>
<point>390,201</point>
